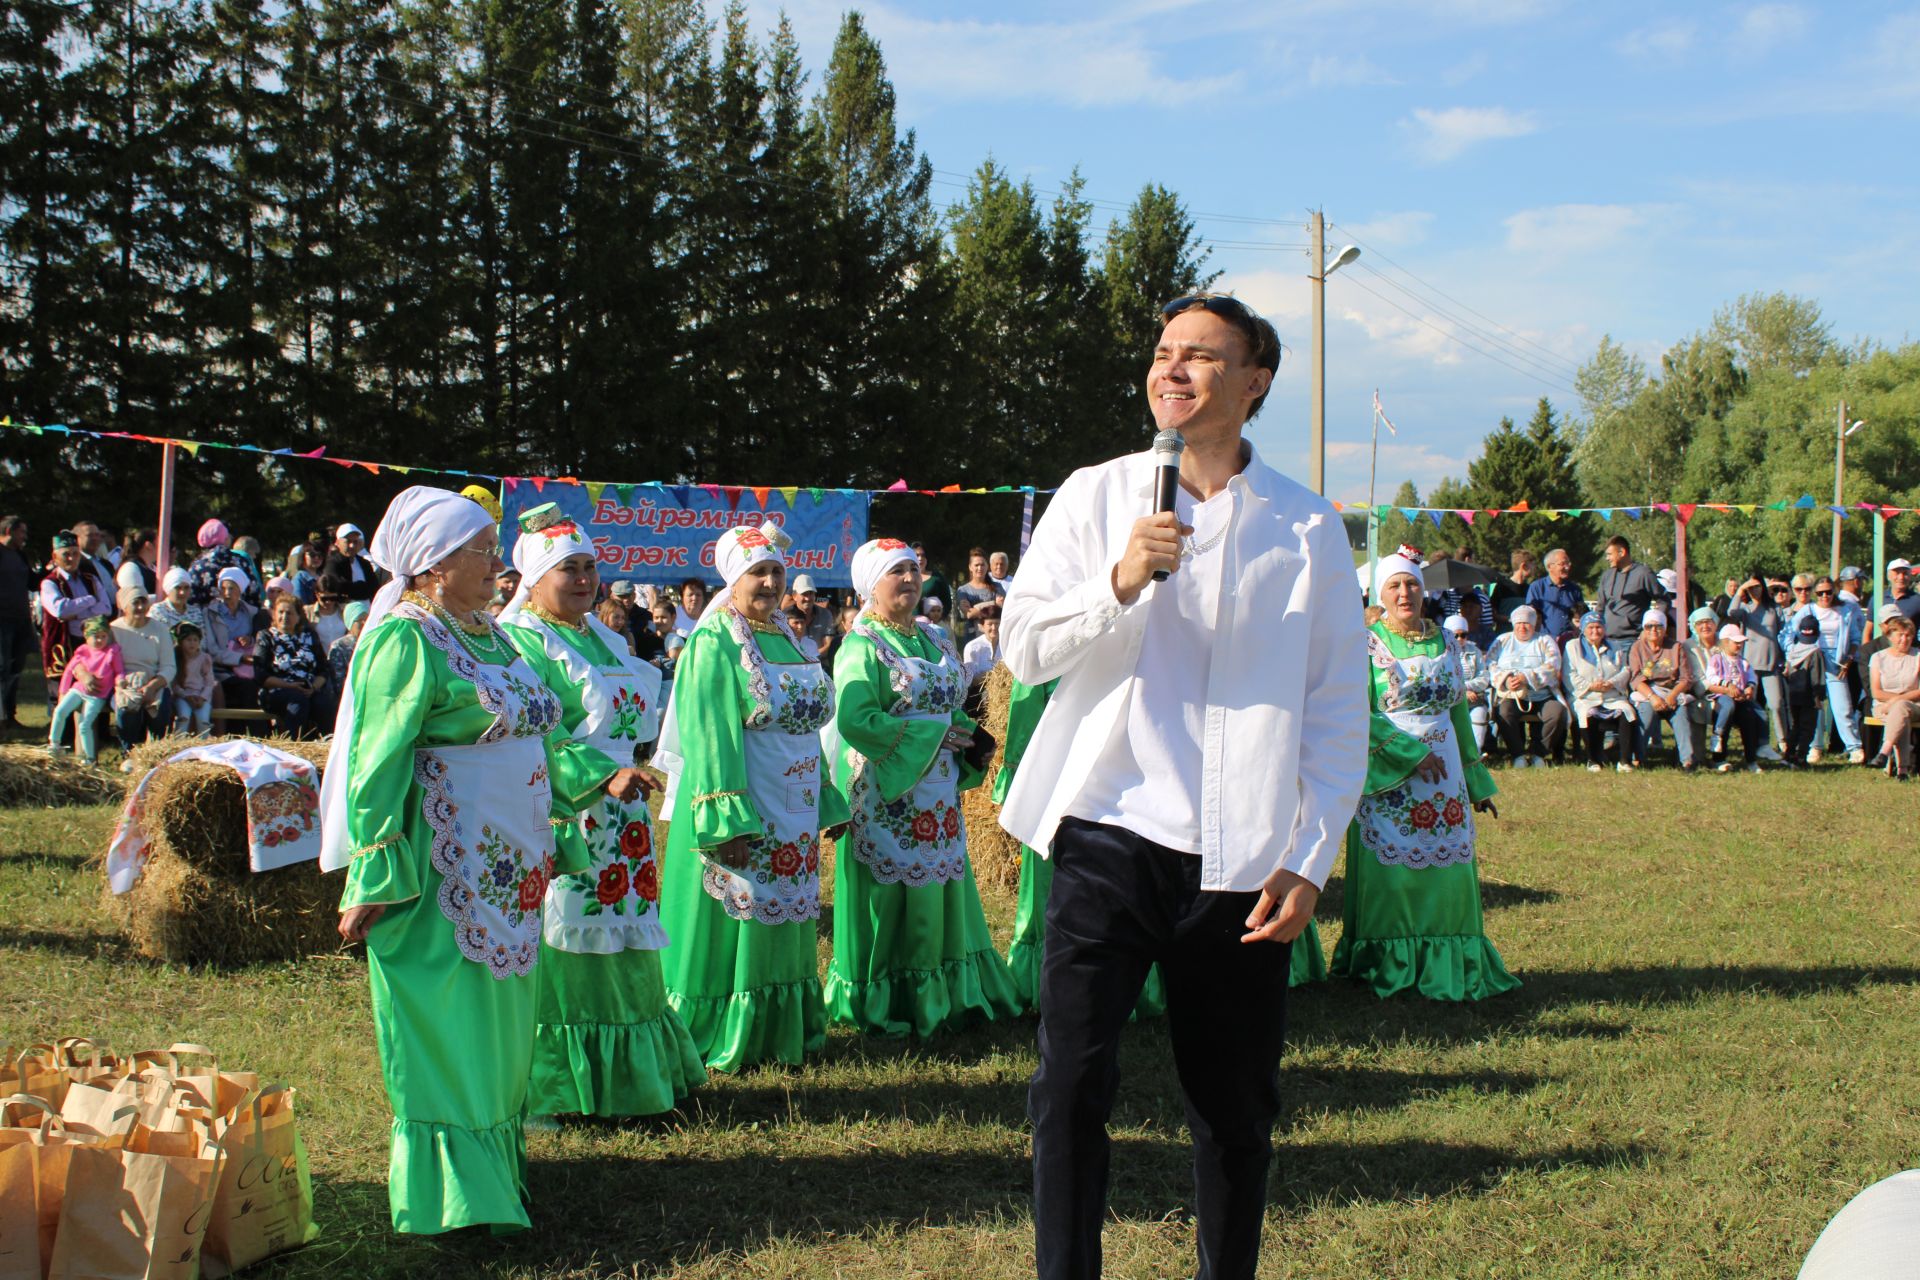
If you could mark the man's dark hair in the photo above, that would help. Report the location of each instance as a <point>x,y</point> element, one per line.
<point>1262,339</point>
<point>334,583</point>
<point>987,611</point>
<point>1617,541</point>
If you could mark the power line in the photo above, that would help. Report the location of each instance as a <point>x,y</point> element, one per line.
<point>1490,338</point>
<point>1454,337</point>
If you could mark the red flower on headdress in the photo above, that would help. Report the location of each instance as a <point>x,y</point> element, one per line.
<point>565,529</point>
<point>890,544</point>
<point>751,538</point>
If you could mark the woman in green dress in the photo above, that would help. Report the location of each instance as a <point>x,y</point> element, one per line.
<point>750,799</point>
<point>606,1043</point>
<point>449,764</point>
<point>1024,706</point>
<point>911,950</point>
<point>1412,909</point>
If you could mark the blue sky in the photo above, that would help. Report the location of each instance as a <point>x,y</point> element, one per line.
<point>1525,175</point>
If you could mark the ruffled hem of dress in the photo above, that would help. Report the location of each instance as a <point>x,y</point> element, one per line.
<point>975,987</point>
<point>443,1177</point>
<point>644,934</point>
<point>1456,968</point>
<point>781,1022</point>
<point>1023,966</point>
<point>1309,960</point>
<point>613,1069</point>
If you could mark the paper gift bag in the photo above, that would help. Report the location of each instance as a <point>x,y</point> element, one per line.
<point>160,1101</point>
<point>138,1212</point>
<point>36,1072</point>
<point>265,1202</point>
<point>224,1090</point>
<point>19,1192</point>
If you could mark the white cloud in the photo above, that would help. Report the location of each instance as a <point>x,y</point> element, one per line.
<point>1464,70</point>
<point>1765,27</point>
<point>1330,71</point>
<point>1562,229</point>
<point>1391,230</point>
<point>1424,338</point>
<point>1442,135</point>
<point>1667,42</point>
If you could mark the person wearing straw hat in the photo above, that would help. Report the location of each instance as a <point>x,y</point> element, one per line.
<point>449,763</point>
<point>750,797</point>
<point>911,949</point>
<point>606,1043</point>
<point>1411,917</point>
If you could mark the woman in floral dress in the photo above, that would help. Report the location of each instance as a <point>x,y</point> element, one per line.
<point>607,1043</point>
<point>751,799</point>
<point>911,950</point>
<point>449,764</point>
<point>1412,911</point>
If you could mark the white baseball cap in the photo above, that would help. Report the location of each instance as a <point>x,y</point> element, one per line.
<point>802,583</point>
<point>348,528</point>
<point>1901,563</point>
<point>1667,577</point>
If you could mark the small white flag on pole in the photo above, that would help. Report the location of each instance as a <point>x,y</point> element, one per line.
<point>1383,414</point>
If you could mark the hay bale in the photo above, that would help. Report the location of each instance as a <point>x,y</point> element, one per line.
<point>32,779</point>
<point>994,853</point>
<point>198,901</point>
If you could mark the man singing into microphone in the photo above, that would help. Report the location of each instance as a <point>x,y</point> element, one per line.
<point>1192,778</point>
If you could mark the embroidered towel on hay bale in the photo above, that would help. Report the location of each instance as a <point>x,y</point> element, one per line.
<point>195,897</point>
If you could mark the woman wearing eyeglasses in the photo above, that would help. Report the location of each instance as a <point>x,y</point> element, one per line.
<point>449,764</point>
<point>1841,623</point>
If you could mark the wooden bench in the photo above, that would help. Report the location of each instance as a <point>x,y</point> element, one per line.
<point>246,721</point>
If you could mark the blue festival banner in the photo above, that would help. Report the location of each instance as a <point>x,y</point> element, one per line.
<point>665,533</point>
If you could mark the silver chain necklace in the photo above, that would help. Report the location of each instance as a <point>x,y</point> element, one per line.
<point>1193,548</point>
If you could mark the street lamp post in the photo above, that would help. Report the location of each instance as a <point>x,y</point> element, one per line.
<point>1840,433</point>
<point>1323,268</point>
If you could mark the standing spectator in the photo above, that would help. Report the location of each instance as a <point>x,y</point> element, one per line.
<point>973,595</point>
<point>71,595</point>
<point>232,623</point>
<point>983,651</point>
<point>340,652</point>
<point>1894,681</point>
<point>693,603</point>
<point>305,563</point>
<point>666,628</point>
<point>819,618</point>
<point>1749,602</point>
<point>506,584</point>
<point>216,557</point>
<point>1001,568</point>
<point>348,560</point>
<point>1853,585</point>
<point>328,615</point>
<point>1557,600</point>
<point>137,562</point>
<point>1662,687</point>
<point>932,583</point>
<point>1838,643</point>
<point>1805,676</point>
<point>1627,590</point>
<point>648,646</point>
<point>143,702</point>
<point>291,668</point>
<point>1510,592</point>
<point>1900,591</point>
<point>193,686</point>
<point>1524,668</point>
<point>86,682</point>
<point>177,609</point>
<point>1762,653</point>
<point>95,546</point>
<point>17,586</point>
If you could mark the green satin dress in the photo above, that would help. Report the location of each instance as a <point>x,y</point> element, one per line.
<point>1024,953</point>
<point>450,822</point>
<point>912,953</point>
<point>607,1043</point>
<point>1412,911</point>
<point>744,967</point>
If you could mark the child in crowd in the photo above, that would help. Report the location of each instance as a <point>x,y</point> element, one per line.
<point>193,681</point>
<point>1731,682</point>
<point>1806,677</point>
<point>85,685</point>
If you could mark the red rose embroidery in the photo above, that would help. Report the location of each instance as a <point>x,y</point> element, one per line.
<point>646,880</point>
<point>926,827</point>
<point>636,841</point>
<point>787,860</point>
<point>1454,813</point>
<point>533,889</point>
<point>613,884</point>
<point>1424,816</point>
<point>813,859</point>
<point>952,825</point>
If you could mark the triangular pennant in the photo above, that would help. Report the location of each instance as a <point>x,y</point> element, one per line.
<point>1411,513</point>
<point>1683,511</point>
<point>1435,517</point>
<point>898,486</point>
<point>348,463</point>
<point>818,495</point>
<point>191,446</point>
<point>1606,513</point>
<point>509,484</point>
<point>1633,513</point>
<point>321,452</point>
<point>405,471</point>
<point>1716,506</point>
<point>1804,502</point>
<point>682,494</point>
<point>713,491</point>
<point>1467,516</point>
<point>371,466</point>
<point>594,489</point>
<point>976,491</point>
<point>1777,506</point>
<point>539,483</point>
<point>1663,506</point>
<point>1548,512</point>
<point>1337,505</point>
<point>734,493</point>
<point>1003,488</point>
<point>789,492</point>
<point>760,492</point>
<point>1573,511</point>
<point>625,492</point>
<point>949,488</point>
<point>1521,505</point>
<point>1839,511</point>
<point>1492,513</point>
<point>1744,508</point>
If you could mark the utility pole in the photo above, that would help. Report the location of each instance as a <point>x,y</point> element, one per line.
<point>1839,469</point>
<point>1318,228</point>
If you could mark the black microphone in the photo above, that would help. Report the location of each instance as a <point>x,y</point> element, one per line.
<point>1168,445</point>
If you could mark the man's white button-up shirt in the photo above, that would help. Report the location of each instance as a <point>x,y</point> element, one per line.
<point>1284,727</point>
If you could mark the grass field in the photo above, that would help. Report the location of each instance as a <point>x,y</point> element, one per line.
<point>1713,1051</point>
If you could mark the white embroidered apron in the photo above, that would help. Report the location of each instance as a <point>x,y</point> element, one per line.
<point>791,702</point>
<point>920,838</point>
<point>488,805</point>
<point>1421,824</point>
<point>614,905</point>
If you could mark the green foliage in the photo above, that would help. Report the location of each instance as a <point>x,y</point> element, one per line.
<point>1533,466</point>
<point>1606,384</point>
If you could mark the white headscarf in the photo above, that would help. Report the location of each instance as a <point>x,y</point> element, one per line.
<point>538,551</point>
<point>1405,560</point>
<point>422,527</point>
<point>872,561</point>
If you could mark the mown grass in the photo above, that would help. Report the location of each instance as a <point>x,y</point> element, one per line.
<point>1712,1052</point>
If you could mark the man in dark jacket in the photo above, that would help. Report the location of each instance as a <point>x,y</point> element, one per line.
<point>1627,590</point>
<point>346,560</point>
<point>18,582</point>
